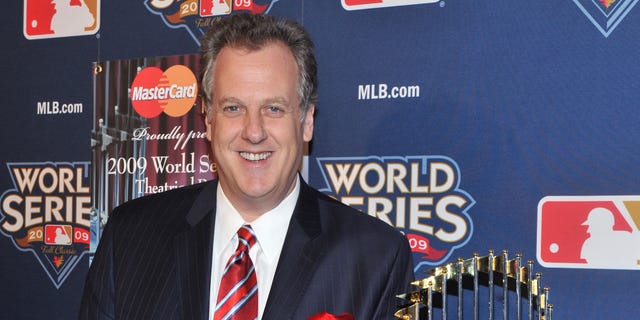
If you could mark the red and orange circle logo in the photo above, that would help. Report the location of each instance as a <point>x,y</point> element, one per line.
<point>173,91</point>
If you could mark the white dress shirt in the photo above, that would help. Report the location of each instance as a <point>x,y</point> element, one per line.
<point>270,229</point>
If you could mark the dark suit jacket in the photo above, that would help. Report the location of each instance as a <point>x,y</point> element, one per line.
<point>154,260</point>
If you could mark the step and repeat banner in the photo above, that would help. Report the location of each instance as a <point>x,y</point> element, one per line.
<point>468,125</point>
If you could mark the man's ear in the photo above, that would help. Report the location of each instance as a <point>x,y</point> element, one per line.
<point>307,125</point>
<point>208,122</point>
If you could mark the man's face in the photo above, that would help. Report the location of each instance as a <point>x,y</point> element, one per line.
<point>255,127</point>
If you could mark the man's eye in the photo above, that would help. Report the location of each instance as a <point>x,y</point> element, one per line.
<point>230,109</point>
<point>274,111</point>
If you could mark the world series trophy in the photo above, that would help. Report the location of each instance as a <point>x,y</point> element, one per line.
<point>492,282</point>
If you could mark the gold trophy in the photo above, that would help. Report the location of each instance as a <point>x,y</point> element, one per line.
<point>499,285</point>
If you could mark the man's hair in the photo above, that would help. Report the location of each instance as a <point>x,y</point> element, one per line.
<point>253,32</point>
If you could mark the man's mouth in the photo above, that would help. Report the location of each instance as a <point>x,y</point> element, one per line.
<point>255,156</point>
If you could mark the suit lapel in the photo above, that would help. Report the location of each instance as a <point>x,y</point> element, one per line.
<point>301,252</point>
<point>303,248</point>
<point>193,249</point>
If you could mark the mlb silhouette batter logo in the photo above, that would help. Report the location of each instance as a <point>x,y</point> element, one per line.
<point>598,232</point>
<point>56,234</point>
<point>214,7</point>
<point>60,18</point>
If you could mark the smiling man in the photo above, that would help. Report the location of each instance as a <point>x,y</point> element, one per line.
<point>258,242</point>
<point>256,126</point>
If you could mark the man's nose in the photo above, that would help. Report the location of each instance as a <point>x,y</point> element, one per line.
<point>254,130</point>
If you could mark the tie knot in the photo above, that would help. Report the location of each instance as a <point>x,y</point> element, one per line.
<point>246,237</point>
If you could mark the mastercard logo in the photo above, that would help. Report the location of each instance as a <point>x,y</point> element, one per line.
<point>173,91</point>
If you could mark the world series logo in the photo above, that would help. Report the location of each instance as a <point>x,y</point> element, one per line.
<point>419,195</point>
<point>47,213</point>
<point>589,232</point>
<point>196,16</point>
<point>605,15</point>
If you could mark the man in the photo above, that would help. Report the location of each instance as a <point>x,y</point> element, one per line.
<point>167,256</point>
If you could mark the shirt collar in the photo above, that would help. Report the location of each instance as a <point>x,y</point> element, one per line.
<point>270,228</point>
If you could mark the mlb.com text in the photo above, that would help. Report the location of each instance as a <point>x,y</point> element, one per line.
<point>385,91</point>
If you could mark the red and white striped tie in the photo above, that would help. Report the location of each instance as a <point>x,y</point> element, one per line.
<point>238,292</point>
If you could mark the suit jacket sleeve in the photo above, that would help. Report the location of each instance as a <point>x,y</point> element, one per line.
<point>400,278</point>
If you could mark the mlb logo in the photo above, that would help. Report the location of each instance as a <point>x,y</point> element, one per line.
<point>60,18</point>
<point>594,232</point>
<point>214,7</point>
<point>58,234</point>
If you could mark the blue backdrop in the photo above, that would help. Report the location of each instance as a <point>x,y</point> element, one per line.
<point>481,109</point>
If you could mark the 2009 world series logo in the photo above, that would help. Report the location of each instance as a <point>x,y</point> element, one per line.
<point>605,15</point>
<point>419,195</point>
<point>47,213</point>
<point>196,16</point>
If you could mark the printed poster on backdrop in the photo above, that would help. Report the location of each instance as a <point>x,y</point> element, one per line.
<point>148,132</point>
